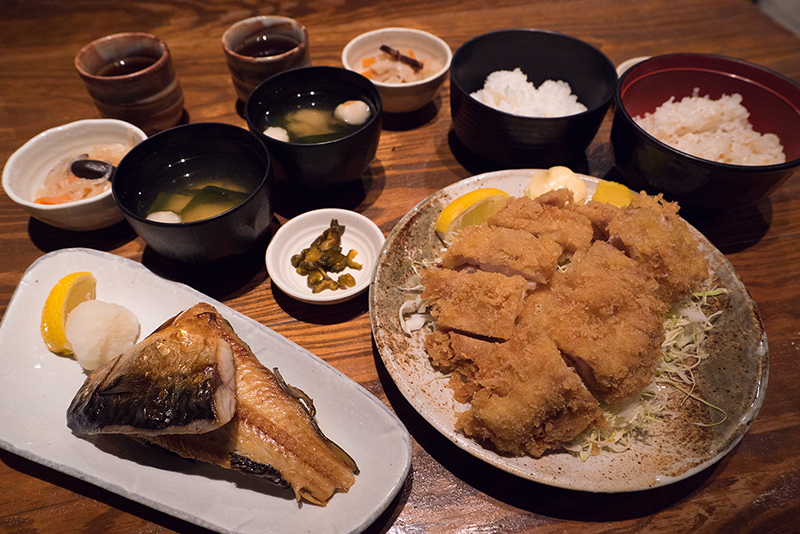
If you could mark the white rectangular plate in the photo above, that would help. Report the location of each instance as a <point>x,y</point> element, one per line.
<point>39,385</point>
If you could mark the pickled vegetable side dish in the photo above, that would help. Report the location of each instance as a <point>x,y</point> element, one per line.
<point>325,256</point>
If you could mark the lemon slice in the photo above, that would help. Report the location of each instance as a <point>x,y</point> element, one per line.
<point>613,193</point>
<point>65,295</point>
<point>473,208</point>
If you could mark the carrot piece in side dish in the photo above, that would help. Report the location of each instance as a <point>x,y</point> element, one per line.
<point>52,200</point>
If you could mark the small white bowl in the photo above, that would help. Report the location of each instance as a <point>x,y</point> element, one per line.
<point>628,63</point>
<point>401,97</point>
<point>360,234</point>
<point>27,168</point>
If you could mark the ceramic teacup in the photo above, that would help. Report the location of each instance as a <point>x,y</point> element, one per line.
<point>259,47</point>
<point>130,77</point>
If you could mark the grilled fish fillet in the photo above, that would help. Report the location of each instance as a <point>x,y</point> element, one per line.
<point>181,379</point>
<point>272,434</point>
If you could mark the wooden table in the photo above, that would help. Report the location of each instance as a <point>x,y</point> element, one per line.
<point>755,488</point>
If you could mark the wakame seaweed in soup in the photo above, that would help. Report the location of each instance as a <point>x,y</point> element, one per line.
<point>202,187</point>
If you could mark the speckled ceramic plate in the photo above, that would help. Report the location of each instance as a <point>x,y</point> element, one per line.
<point>734,378</point>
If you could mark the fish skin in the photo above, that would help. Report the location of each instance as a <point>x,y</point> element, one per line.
<point>272,435</point>
<point>148,390</point>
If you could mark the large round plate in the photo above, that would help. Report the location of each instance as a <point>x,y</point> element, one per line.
<point>733,378</point>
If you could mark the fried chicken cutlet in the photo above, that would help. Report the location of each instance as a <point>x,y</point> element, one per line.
<point>504,250</point>
<point>480,303</point>
<point>461,357</point>
<point>652,233</point>
<point>601,215</point>
<point>550,214</point>
<point>523,398</point>
<point>603,315</point>
<point>599,322</point>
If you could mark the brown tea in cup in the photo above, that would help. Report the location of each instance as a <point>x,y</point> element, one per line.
<point>263,44</point>
<point>131,78</point>
<point>127,65</point>
<point>259,47</point>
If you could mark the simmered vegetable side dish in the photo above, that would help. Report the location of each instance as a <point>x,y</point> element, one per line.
<point>80,177</point>
<point>391,65</point>
<point>325,256</point>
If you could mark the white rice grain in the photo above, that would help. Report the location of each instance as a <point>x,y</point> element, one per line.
<point>716,130</point>
<point>510,91</point>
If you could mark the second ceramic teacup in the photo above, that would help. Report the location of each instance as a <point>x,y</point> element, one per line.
<point>131,78</point>
<point>259,47</point>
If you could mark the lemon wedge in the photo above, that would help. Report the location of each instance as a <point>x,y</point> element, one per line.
<point>65,295</point>
<point>613,193</point>
<point>473,208</point>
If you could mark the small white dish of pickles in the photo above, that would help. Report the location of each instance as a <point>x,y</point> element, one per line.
<point>308,262</point>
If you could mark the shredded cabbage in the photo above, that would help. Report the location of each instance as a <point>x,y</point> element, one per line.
<point>686,326</point>
<point>413,313</point>
<point>626,422</point>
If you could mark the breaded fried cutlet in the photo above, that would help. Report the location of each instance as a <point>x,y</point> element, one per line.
<point>603,315</point>
<point>535,374</point>
<point>504,250</point>
<point>484,304</point>
<point>654,235</point>
<point>528,401</point>
<point>570,229</point>
<point>558,198</point>
<point>601,215</point>
<point>461,357</point>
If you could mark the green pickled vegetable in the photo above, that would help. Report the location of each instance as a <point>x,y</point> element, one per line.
<point>325,256</point>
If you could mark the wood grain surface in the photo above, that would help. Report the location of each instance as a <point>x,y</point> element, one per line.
<point>755,488</point>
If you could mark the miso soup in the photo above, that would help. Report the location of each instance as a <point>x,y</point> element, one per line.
<point>200,188</point>
<point>310,118</point>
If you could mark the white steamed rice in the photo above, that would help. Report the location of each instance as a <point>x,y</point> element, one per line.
<point>716,130</point>
<point>510,91</point>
